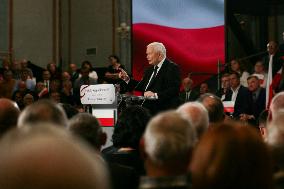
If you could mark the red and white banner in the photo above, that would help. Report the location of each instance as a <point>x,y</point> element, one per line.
<point>191,30</point>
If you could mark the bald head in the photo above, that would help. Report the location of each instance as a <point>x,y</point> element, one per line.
<point>9,113</point>
<point>48,157</point>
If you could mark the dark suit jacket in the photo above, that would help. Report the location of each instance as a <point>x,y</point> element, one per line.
<point>192,97</point>
<point>259,105</point>
<point>166,85</point>
<point>242,103</point>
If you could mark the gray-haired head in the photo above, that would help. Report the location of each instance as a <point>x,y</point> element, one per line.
<point>43,111</point>
<point>197,114</point>
<point>169,140</point>
<point>158,47</point>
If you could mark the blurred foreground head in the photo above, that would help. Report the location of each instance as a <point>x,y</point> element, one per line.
<point>231,156</point>
<point>45,157</point>
<point>9,113</point>
<point>43,111</point>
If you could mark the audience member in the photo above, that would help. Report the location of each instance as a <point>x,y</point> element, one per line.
<point>74,72</point>
<point>69,110</point>
<point>7,85</point>
<point>43,156</point>
<point>9,113</point>
<point>277,62</point>
<point>225,86</point>
<point>127,132</point>
<point>275,141</point>
<point>231,156</point>
<point>43,111</point>
<point>88,127</point>
<point>24,66</point>
<point>276,106</point>
<point>92,73</point>
<point>257,96</point>
<point>239,95</point>
<point>55,72</point>
<point>204,88</point>
<point>187,94</point>
<point>236,67</point>
<point>214,106</point>
<point>112,73</point>
<point>28,99</point>
<point>260,72</point>
<point>197,115</point>
<point>262,124</point>
<point>167,146</point>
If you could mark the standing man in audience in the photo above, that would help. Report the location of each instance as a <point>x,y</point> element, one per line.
<point>160,82</point>
<point>167,146</point>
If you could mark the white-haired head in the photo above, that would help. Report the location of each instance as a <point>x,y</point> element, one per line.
<point>158,47</point>
<point>197,114</point>
<point>168,140</point>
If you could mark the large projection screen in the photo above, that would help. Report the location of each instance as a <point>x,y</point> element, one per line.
<point>191,30</point>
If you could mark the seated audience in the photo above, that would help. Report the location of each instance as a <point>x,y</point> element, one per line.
<point>187,94</point>
<point>239,95</point>
<point>257,96</point>
<point>204,88</point>
<point>231,156</point>
<point>167,146</point>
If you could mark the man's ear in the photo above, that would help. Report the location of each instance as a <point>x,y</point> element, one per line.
<point>142,148</point>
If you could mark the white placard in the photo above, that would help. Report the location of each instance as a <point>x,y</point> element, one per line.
<point>229,106</point>
<point>97,94</point>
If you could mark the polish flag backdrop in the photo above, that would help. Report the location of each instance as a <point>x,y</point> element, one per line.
<point>191,30</point>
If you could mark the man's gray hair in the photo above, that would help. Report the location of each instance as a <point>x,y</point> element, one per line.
<point>197,114</point>
<point>158,47</point>
<point>169,137</point>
